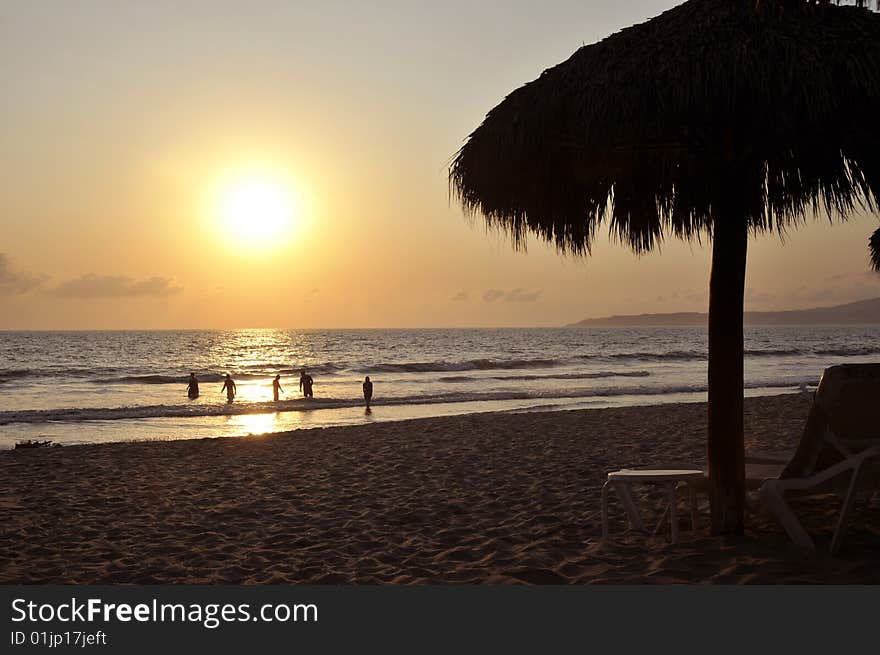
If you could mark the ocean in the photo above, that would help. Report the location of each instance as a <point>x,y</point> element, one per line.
<point>87,387</point>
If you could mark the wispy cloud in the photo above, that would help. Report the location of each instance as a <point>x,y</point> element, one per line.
<point>115,286</point>
<point>519,295</point>
<point>834,290</point>
<point>12,281</point>
<point>756,297</point>
<point>514,295</point>
<point>842,288</point>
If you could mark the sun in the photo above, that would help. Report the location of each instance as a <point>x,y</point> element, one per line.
<point>255,211</point>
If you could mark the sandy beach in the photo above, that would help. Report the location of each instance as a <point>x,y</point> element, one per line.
<point>485,498</point>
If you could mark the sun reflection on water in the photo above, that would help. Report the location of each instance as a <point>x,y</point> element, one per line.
<point>250,424</point>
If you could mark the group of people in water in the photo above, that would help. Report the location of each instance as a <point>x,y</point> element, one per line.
<point>306,384</point>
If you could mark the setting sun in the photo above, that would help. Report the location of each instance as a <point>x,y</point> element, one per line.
<point>308,294</point>
<point>255,210</point>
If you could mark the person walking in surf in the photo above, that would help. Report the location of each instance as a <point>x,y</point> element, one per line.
<point>276,387</point>
<point>368,391</point>
<point>305,384</point>
<point>192,389</point>
<point>229,388</point>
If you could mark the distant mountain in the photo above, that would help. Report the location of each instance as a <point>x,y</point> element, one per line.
<point>855,313</point>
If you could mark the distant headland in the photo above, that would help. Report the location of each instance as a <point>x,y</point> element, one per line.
<point>855,313</point>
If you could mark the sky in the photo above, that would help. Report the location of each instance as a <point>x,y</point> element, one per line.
<point>181,164</point>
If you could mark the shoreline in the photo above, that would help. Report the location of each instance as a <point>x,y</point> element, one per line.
<point>250,419</point>
<point>405,421</point>
<point>506,498</point>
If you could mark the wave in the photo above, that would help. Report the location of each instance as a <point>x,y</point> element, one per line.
<point>326,368</point>
<point>15,372</point>
<point>702,355</point>
<point>470,365</point>
<point>848,352</point>
<point>772,352</point>
<point>157,379</point>
<point>207,410</point>
<point>834,352</point>
<point>110,375</point>
<point>182,378</point>
<point>681,355</point>
<point>557,376</point>
<point>58,372</point>
<point>12,374</point>
<point>173,379</point>
<point>165,411</point>
<point>694,355</point>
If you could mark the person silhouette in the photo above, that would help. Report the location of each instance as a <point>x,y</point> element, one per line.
<point>302,380</point>
<point>192,389</point>
<point>229,388</point>
<point>368,391</point>
<point>276,387</point>
<point>307,387</point>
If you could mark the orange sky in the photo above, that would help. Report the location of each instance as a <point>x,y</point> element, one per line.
<point>125,127</point>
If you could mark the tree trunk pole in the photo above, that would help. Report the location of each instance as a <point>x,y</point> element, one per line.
<point>726,448</point>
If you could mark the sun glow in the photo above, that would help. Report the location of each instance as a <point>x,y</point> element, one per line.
<point>256,210</point>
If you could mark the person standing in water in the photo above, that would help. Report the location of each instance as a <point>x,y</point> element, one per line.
<point>276,387</point>
<point>229,388</point>
<point>302,381</point>
<point>307,387</point>
<point>368,391</point>
<point>192,389</point>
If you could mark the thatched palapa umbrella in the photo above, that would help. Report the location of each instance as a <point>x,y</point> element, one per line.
<point>718,118</point>
<point>874,246</point>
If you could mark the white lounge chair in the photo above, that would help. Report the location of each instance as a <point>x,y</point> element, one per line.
<point>838,452</point>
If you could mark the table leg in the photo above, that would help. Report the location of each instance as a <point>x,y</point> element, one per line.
<point>605,510</point>
<point>624,491</point>
<point>692,492</point>
<point>673,513</point>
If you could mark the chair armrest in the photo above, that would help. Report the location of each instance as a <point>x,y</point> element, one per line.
<point>836,442</point>
<point>851,463</point>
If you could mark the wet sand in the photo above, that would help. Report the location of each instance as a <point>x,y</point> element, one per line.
<point>486,498</point>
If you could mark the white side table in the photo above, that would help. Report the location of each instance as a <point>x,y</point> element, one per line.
<point>623,480</point>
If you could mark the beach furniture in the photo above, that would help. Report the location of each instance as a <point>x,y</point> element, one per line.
<point>622,481</point>
<point>838,452</point>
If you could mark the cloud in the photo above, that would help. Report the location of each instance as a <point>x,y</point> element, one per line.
<point>833,290</point>
<point>16,281</point>
<point>514,295</point>
<point>115,286</point>
<point>759,297</point>
<point>461,296</point>
<point>842,288</point>
<point>518,295</point>
<point>672,297</point>
<point>698,297</point>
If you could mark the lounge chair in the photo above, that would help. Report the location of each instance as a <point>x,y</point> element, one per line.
<point>838,452</point>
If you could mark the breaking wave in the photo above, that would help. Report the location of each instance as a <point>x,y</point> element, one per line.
<point>197,410</point>
<point>470,365</point>
<point>551,376</point>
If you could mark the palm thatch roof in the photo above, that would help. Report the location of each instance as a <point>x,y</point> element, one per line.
<point>765,109</point>
<point>874,246</point>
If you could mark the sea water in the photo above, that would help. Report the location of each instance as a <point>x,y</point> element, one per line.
<point>85,387</point>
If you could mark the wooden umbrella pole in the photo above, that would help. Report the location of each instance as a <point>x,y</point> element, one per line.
<point>726,450</point>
